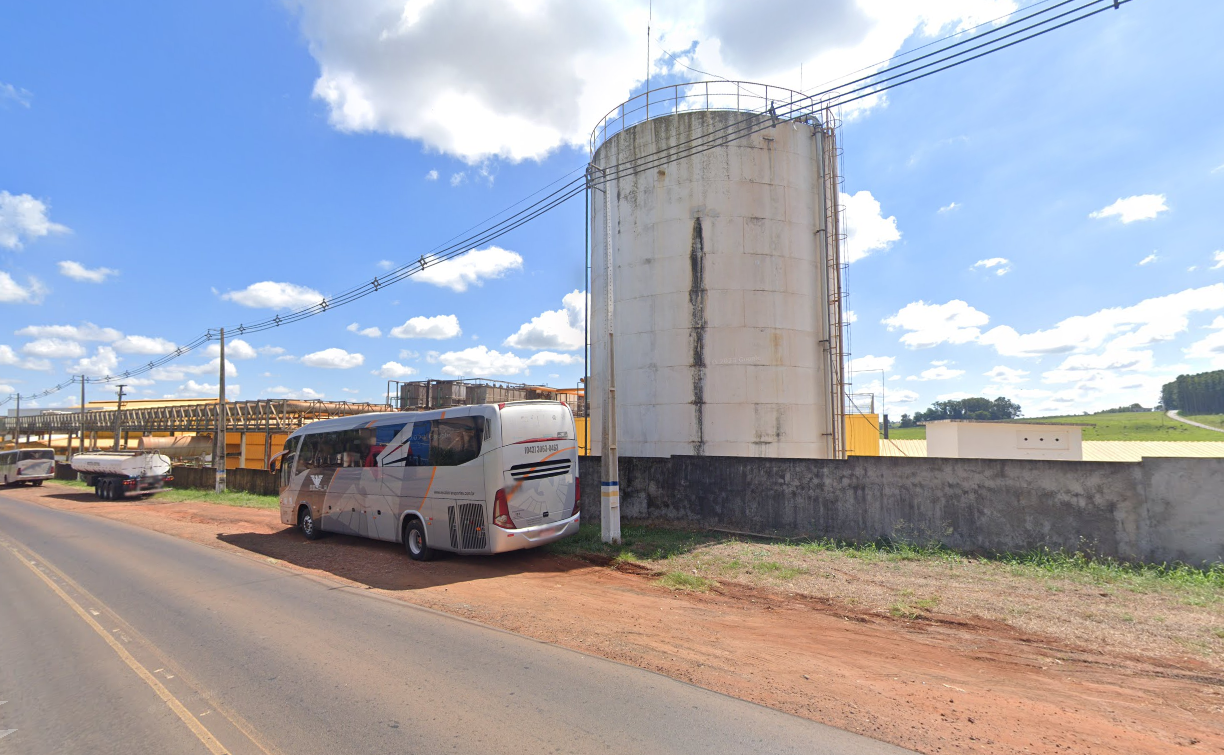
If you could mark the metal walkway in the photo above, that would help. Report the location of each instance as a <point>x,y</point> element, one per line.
<point>265,415</point>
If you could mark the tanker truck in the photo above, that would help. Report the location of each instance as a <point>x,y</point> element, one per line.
<point>115,475</point>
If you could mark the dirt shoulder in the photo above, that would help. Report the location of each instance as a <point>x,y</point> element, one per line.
<point>923,679</point>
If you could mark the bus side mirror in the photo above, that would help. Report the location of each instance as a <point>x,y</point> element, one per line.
<point>274,466</point>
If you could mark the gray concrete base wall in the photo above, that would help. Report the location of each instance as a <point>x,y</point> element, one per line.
<point>1157,510</point>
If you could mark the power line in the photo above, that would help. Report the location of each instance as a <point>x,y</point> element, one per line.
<point>482,232</point>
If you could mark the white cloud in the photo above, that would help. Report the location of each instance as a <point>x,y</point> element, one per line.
<point>12,292</point>
<point>144,345</point>
<point>1148,322</point>
<point>849,316</point>
<point>104,362</point>
<point>1149,259</point>
<point>899,396</point>
<point>870,363</point>
<point>1210,347</point>
<point>441,72</point>
<point>302,393</point>
<point>867,230</point>
<point>1008,375</point>
<point>1130,209</point>
<point>270,351</point>
<point>1218,258</point>
<point>469,269</point>
<point>273,295</point>
<point>8,357</point>
<point>386,265</point>
<point>21,96</point>
<point>192,389</point>
<point>86,331</point>
<point>439,327</point>
<point>561,329</point>
<point>1002,264</point>
<point>394,371</point>
<point>932,324</point>
<point>371,332</point>
<point>235,348</point>
<point>78,272</point>
<point>431,175</point>
<point>938,372</point>
<point>180,371</point>
<point>407,354</point>
<point>949,207</point>
<point>481,361</point>
<point>333,359</point>
<point>54,348</point>
<point>954,396</point>
<point>24,218</point>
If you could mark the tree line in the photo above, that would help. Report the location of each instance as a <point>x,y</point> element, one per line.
<point>1195,394</point>
<point>965,408</point>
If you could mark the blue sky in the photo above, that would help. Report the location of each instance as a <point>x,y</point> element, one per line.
<point>173,167</point>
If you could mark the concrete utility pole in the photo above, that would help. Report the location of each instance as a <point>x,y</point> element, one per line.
<point>118,409</point>
<point>609,462</point>
<point>82,414</point>
<point>219,453</point>
<point>17,426</point>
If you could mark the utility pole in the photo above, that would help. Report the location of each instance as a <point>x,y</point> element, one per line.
<point>82,414</point>
<point>17,426</point>
<point>609,461</point>
<point>219,453</point>
<point>118,410</point>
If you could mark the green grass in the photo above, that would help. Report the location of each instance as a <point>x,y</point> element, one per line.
<point>180,495</point>
<point>1215,420</point>
<point>678,580</point>
<point>1113,426</point>
<point>655,543</point>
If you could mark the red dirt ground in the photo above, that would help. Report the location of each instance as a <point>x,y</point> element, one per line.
<point>936,686</point>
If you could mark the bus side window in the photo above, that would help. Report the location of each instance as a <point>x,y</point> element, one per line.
<point>456,441</point>
<point>306,453</point>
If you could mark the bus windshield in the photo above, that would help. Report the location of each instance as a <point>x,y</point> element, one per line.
<point>45,454</point>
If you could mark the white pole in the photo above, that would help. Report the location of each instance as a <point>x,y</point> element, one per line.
<point>609,510</point>
<point>219,454</point>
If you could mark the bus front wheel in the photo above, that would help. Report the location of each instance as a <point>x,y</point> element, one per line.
<point>415,542</point>
<point>308,525</point>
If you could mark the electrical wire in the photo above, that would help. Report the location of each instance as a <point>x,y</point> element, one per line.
<point>482,232</point>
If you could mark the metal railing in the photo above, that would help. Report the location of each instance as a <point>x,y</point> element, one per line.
<point>738,96</point>
<point>266,415</point>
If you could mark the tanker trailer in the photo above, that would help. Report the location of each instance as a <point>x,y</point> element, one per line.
<point>116,475</point>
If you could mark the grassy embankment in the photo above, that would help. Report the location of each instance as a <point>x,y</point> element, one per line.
<point>1085,600</point>
<point>1114,426</point>
<point>1215,420</point>
<point>180,495</point>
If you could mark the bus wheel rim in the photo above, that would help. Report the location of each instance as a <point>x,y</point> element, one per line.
<point>307,523</point>
<point>414,540</point>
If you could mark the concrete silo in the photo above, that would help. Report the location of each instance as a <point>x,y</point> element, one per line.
<point>726,284</point>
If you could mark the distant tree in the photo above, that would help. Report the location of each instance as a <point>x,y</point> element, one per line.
<point>970,408</point>
<point>906,421</point>
<point>1135,407</point>
<point>1195,394</point>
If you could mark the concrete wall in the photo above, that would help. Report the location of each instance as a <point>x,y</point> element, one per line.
<point>1157,510</point>
<point>719,290</point>
<point>954,439</point>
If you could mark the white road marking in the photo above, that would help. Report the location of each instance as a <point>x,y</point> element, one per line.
<point>5,732</point>
<point>95,613</point>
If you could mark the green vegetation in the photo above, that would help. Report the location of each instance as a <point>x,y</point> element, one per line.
<point>1134,426</point>
<point>967,408</point>
<point>678,580</point>
<point>1215,420</point>
<point>1195,394</point>
<point>661,546</point>
<point>180,495</point>
<point>1113,425</point>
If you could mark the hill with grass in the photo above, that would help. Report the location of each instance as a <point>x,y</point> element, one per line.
<point>1114,426</point>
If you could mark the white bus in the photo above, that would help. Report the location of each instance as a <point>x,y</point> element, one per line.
<point>473,479</point>
<point>27,465</point>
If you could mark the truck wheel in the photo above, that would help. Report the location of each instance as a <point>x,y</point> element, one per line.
<point>308,525</point>
<point>38,483</point>
<point>415,542</point>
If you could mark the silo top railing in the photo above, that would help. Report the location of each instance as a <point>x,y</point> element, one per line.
<point>738,96</point>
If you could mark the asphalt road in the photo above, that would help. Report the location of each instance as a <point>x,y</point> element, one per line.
<point>115,639</point>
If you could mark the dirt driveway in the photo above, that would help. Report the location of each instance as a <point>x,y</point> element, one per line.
<point>934,684</point>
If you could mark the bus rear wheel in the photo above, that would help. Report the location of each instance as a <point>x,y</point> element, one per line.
<point>308,525</point>
<point>415,542</point>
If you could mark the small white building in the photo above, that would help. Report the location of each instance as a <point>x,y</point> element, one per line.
<point>983,439</point>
